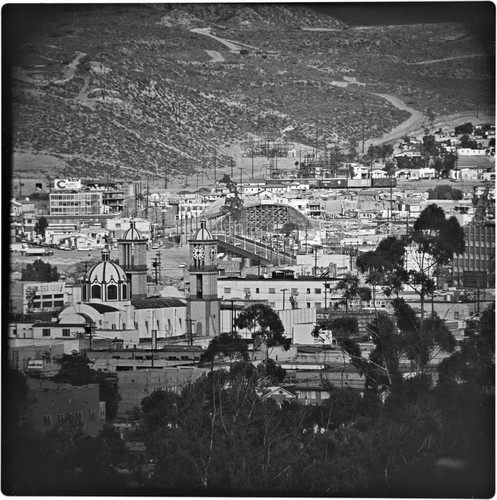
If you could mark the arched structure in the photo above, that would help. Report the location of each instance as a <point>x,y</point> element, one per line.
<point>257,215</point>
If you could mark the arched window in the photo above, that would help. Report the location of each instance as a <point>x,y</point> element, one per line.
<point>84,293</point>
<point>125,292</point>
<point>96,292</point>
<point>112,292</point>
<point>199,329</point>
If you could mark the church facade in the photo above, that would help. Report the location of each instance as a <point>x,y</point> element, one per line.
<point>115,305</point>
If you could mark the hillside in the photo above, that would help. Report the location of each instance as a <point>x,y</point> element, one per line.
<point>130,90</point>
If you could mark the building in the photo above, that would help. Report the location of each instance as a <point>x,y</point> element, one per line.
<point>133,259</point>
<point>28,297</point>
<point>65,203</point>
<point>138,384</point>
<point>476,266</point>
<point>108,309</point>
<point>52,404</point>
<point>280,292</point>
<point>203,302</point>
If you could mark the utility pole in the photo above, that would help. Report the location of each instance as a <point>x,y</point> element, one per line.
<point>252,160</point>
<point>284,290</point>
<point>146,202</point>
<point>231,163</point>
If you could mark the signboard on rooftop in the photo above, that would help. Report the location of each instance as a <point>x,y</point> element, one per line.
<point>67,184</point>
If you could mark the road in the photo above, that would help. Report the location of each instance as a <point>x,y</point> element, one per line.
<point>415,125</point>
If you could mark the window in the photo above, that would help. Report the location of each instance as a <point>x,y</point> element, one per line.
<point>45,332</point>
<point>317,305</point>
<point>227,290</point>
<point>60,418</point>
<point>317,290</point>
<point>95,292</point>
<point>272,304</point>
<point>256,290</point>
<point>112,292</point>
<point>456,314</point>
<point>79,416</point>
<point>92,415</point>
<point>295,291</point>
<point>308,305</point>
<point>308,290</point>
<point>66,332</point>
<point>125,292</point>
<point>272,290</point>
<point>47,420</point>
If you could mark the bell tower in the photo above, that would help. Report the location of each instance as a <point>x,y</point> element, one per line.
<point>133,259</point>
<point>203,302</point>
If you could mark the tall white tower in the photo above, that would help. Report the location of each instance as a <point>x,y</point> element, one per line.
<point>133,259</point>
<point>203,301</point>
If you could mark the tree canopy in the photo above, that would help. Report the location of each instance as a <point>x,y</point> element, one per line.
<point>41,226</point>
<point>445,192</point>
<point>40,271</point>
<point>264,325</point>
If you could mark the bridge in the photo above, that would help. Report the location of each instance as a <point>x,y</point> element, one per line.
<point>240,246</point>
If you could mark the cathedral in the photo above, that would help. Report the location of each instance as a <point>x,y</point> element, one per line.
<point>114,297</point>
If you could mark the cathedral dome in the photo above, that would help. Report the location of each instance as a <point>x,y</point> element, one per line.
<point>203,234</point>
<point>105,272</point>
<point>133,234</point>
<point>105,281</point>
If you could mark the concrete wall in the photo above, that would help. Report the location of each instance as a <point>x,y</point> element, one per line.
<point>136,385</point>
<point>50,404</point>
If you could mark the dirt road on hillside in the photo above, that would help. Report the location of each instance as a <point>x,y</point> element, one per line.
<point>418,121</point>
